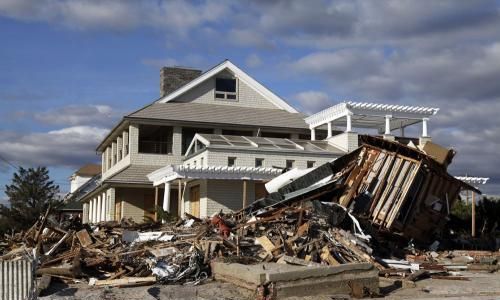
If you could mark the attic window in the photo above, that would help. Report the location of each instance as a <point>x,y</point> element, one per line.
<point>225,88</point>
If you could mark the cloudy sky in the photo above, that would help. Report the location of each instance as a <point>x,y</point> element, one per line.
<point>70,69</point>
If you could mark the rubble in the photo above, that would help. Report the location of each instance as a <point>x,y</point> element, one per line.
<point>364,210</point>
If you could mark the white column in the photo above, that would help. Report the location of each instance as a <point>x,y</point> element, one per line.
<point>166,197</point>
<point>329,129</point>
<point>94,209</point>
<point>91,207</point>
<point>349,123</point>
<point>424,127</point>
<point>103,207</point>
<point>313,134</point>
<point>99,203</point>
<point>388,124</point>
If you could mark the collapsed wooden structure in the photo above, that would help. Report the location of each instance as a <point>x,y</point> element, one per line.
<point>396,187</point>
<point>404,189</point>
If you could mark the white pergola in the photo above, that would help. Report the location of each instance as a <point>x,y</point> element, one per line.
<point>370,115</point>
<point>472,180</point>
<point>166,175</point>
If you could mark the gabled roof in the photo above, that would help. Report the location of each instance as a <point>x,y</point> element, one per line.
<point>220,114</point>
<point>227,65</point>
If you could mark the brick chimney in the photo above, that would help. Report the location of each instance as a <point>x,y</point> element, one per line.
<point>172,78</point>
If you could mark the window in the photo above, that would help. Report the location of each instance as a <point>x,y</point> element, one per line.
<point>310,164</point>
<point>237,132</point>
<point>155,139</point>
<point>225,88</point>
<point>231,161</point>
<point>188,135</point>
<point>201,162</point>
<point>194,163</point>
<point>290,163</point>
<point>279,135</point>
<point>259,162</point>
<point>120,154</point>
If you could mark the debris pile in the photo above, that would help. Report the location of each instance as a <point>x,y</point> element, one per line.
<point>364,207</point>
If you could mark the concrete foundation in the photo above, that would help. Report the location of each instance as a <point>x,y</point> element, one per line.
<point>300,281</point>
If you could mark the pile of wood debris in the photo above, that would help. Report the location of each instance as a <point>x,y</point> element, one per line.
<point>363,207</point>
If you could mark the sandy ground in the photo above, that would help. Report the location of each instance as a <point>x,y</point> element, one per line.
<point>481,286</point>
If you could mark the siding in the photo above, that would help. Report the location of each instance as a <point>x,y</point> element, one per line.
<point>247,158</point>
<point>132,201</point>
<point>247,96</point>
<point>227,195</point>
<point>17,280</point>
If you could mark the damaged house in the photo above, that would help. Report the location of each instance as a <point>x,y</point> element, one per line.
<point>213,139</point>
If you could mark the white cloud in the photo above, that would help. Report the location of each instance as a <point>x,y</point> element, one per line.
<point>71,146</point>
<point>174,16</point>
<point>313,101</point>
<point>71,115</point>
<point>253,61</point>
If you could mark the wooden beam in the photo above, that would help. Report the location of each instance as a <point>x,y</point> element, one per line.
<point>245,202</point>
<point>473,214</point>
<point>156,204</point>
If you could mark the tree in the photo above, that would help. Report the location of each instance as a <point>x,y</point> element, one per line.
<point>30,194</point>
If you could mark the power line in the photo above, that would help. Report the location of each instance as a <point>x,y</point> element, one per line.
<point>8,162</point>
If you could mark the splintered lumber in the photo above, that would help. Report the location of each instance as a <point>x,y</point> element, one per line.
<point>266,243</point>
<point>54,248</point>
<point>84,238</point>
<point>327,256</point>
<point>127,281</point>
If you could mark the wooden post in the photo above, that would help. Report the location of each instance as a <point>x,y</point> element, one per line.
<point>473,214</point>
<point>245,193</point>
<point>467,197</point>
<point>156,204</point>
<point>179,198</point>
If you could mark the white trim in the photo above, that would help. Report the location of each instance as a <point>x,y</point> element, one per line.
<point>173,172</point>
<point>262,90</point>
<point>472,179</point>
<point>197,137</point>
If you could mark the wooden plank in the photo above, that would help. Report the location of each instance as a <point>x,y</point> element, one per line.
<point>125,281</point>
<point>84,238</point>
<point>327,256</point>
<point>266,243</point>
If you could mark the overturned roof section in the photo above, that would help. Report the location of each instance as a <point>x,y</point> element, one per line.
<point>173,172</point>
<point>370,115</point>
<point>201,141</point>
<point>229,66</point>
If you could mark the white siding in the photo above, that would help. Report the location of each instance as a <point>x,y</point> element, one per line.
<point>227,195</point>
<point>247,97</point>
<point>247,158</point>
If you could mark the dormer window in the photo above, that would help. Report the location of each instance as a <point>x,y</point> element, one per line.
<point>225,89</point>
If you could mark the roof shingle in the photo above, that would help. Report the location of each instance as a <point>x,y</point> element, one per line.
<point>224,114</point>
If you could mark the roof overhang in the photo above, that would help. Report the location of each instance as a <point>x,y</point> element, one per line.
<point>238,73</point>
<point>173,172</point>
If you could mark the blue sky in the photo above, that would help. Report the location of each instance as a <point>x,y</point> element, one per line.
<point>70,69</point>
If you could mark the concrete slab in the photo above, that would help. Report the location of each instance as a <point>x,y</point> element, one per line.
<point>293,280</point>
